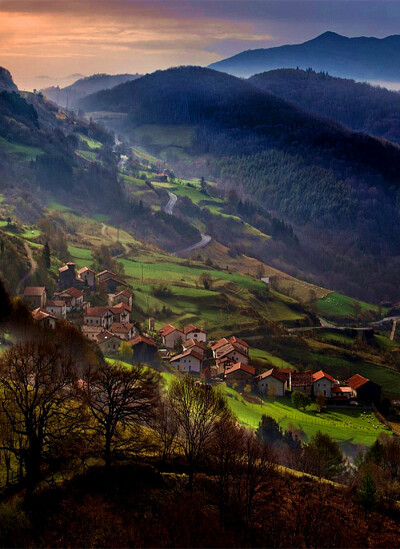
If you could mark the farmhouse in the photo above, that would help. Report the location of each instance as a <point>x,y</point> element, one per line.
<point>44,318</point>
<point>272,380</point>
<point>108,342</point>
<point>233,349</point>
<point>301,381</point>
<point>109,282</point>
<point>57,308</point>
<point>144,350</point>
<point>192,332</point>
<point>188,361</point>
<point>91,332</point>
<point>170,335</point>
<point>323,384</point>
<point>197,346</point>
<point>73,298</point>
<point>124,331</point>
<point>98,316</point>
<point>122,297</point>
<point>364,389</point>
<point>160,177</point>
<point>121,312</point>
<point>89,277</point>
<point>240,373</point>
<point>35,296</point>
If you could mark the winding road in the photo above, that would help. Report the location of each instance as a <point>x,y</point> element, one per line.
<point>205,238</point>
<point>31,271</point>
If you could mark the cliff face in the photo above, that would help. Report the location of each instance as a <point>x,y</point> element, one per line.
<point>6,81</point>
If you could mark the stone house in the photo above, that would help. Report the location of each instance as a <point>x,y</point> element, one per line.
<point>35,296</point>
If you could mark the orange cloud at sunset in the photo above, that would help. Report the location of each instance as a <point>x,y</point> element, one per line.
<point>56,38</point>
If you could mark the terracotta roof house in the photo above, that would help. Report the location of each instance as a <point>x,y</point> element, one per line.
<point>323,384</point>
<point>240,372</point>
<point>44,318</point>
<point>217,344</point>
<point>144,350</point>
<point>72,296</point>
<point>233,351</point>
<point>364,389</point>
<point>35,296</point>
<point>170,335</point>
<point>105,274</point>
<point>122,297</point>
<point>197,346</point>
<point>193,332</point>
<point>98,316</point>
<point>301,381</point>
<point>125,331</point>
<point>342,393</point>
<point>91,332</point>
<point>88,277</point>
<point>57,307</point>
<point>108,342</point>
<point>240,343</point>
<point>272,380</point>
<point>189,361</point>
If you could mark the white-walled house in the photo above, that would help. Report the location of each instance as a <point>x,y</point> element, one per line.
<point>193,332</point>
<point>189,361</point>
<point>98,316</point>
<point>170,335</point>
<point>272,379</point>
<point>57,307</point>
<point>323,384</point>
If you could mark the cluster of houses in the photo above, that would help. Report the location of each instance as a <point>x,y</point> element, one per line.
<point>187,349</point>
<point>228,359</point>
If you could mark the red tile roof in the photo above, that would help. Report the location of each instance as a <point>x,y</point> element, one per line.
<point>142,339</point>
<point>115,279</point>
<point>105,336</point>
<point>356,381</point>
<point>96,311</point>
<point>189,352</point>
<point>55,303</point>
<point>241,366</point>
<point>192,328</point>
<point>125,293</point>
<point>321,375</point>
<point>273,372</point>
<point>116,309</point>
<point>34,291</point>
<point>41,314</point>
<point>121,327</point>
<point>220,343</point>
<point>192,343</point>
<point>235,339</point>
<point>85,270</point>
<point>301,379</point>
<point>74,292</point>
<point>106,271</point>
<point>341,389</point>
<point>168,329</point>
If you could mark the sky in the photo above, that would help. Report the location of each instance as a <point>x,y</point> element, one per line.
<point>44,42</point>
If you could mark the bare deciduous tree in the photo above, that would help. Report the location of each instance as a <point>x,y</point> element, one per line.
<point>197,408</point>
<point>120,400</point>
<point>37,382</point>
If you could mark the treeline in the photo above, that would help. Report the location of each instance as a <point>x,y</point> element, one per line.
<point>359,106</point>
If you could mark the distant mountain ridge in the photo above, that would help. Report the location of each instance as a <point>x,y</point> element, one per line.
<point>361,58</point>
<point>69,95</point>
<point>359,106</point>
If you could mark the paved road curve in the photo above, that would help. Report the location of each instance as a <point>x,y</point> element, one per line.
<point>171,203</point>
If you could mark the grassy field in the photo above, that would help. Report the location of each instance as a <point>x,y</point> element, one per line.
<point>335,304</point>
<point>348,427</point>
<point>269,358</point>
<point>165,136</point>
<point>82,257</point>
<point>21,153</point>
<point>92,143</point>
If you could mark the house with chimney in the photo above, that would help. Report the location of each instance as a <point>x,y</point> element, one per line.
<point>35,297</point>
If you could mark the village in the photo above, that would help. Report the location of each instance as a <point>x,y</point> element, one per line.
<point>185,349</point>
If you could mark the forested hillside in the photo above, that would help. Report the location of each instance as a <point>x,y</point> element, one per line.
<point>337,186</point>
<point>359,106</point>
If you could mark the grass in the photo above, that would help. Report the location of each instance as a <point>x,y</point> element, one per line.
<point>164,136</point>
<point>92,143</point>
<point>53,205</point>
<point>261,354</point>
<point>81,256</point>
<point>348,427</point>
<point>335,304</point>
<point>21,153</point>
